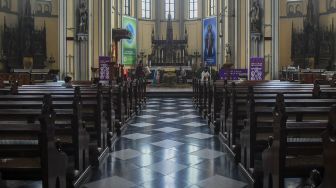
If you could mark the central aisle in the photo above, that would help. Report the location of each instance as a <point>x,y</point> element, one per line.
<point>168,145</point>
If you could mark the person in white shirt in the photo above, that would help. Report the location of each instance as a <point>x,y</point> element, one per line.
<point>205,75</point>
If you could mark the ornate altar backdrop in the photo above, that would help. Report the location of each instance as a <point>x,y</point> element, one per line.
<point>24,41</point>
<point>169,52</point>
<point>314,46</point>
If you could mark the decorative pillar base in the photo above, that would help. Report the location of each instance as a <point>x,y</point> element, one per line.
<point>82,63</point>
<point>255,44</point>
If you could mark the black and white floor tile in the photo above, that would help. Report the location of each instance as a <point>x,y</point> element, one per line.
<point>168,145</point>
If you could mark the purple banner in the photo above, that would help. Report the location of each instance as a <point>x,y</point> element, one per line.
<point>232,74</point>
<point>104,68</point>
<point>257,68</point>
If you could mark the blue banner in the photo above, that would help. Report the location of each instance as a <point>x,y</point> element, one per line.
<point>210,41</point>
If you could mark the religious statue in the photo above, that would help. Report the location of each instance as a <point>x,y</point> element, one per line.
<point>83,18</point>
<point>38,9</point>
<point>27,44</point>
<point>153,35</point>
<point>255,17</point>
<point>298,10</point>
<point>5,4</point>
<point>228,53</point>
<point>209,42</point>
<point>46,9</point>
<point>331,4</point>
<point>228,49</point>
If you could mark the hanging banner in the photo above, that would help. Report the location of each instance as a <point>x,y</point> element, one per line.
<point>210,41</point>
<point>129,47</point>
<point>104,68</point>
<point>257,68</point>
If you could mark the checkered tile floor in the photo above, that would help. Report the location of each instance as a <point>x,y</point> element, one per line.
<point>168,145</point>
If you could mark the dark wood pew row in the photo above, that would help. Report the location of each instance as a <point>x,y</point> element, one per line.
<point>232,115</point>
<point>99,103</point>
<point>258,127</point>
<point>237,110</point>
<point>218,86</point>
<point>329,152</point>
<point>294,150</point>
<point>70,131</point>
<point>42,160</point>
<point>264,99</point>
<point>210,99</point>
<point>94,115</point>
<point>124,109</point>
<point>2,183</point>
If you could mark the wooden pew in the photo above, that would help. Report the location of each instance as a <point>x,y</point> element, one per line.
<point>119,106</point>
<point>233,115</point>
<point>329,152</point>
<point>70,132</point>
<point>253,138</point>
<point>94,115</point>
<point>265,95</point>
<point>123,109</point>
<point>120,99</point>
<point>208,99</point>
<point>81,169</point>
<point>43,161</point>
<point>294,149</point>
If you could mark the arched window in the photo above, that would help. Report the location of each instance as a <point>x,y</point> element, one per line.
<point>146,9</point>
<point>127,7</point>
<point>193,9</point>
<point>170,8</point>
<point>212,7</point>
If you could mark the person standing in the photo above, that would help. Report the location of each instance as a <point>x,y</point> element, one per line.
<point>183,76</point>
<point>205,75</point>
<point>139,72</point>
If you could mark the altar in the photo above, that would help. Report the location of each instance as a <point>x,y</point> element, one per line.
<point>169,52</point>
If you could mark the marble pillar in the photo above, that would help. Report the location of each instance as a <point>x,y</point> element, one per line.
<point>81,44</point>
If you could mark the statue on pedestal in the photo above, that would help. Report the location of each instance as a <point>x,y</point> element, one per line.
<point>228,54</point>
<point>255,17</point>
<point>83,18</point>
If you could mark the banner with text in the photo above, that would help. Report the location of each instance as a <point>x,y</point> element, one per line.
<point>210,41</point>
<point>104,68</point>
<point>232,74</point>
<point>129,47</point>
<point>257,68</point>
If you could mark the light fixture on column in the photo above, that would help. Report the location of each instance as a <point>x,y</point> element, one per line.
<point>196,55</point>
<point>142,55</point>
<point>51,59</point>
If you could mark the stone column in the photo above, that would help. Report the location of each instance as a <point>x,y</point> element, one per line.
<point>182,16</point>
<point>275,39</point>
<point>220,5</point>
<point>81,44</point>
<point>232,29</point>
<point>158,12</point>
<point>62,38</point>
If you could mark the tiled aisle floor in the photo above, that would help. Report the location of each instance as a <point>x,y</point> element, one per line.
<point>168,145</point>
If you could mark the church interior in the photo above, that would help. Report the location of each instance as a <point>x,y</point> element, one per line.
<point>167,93</point>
